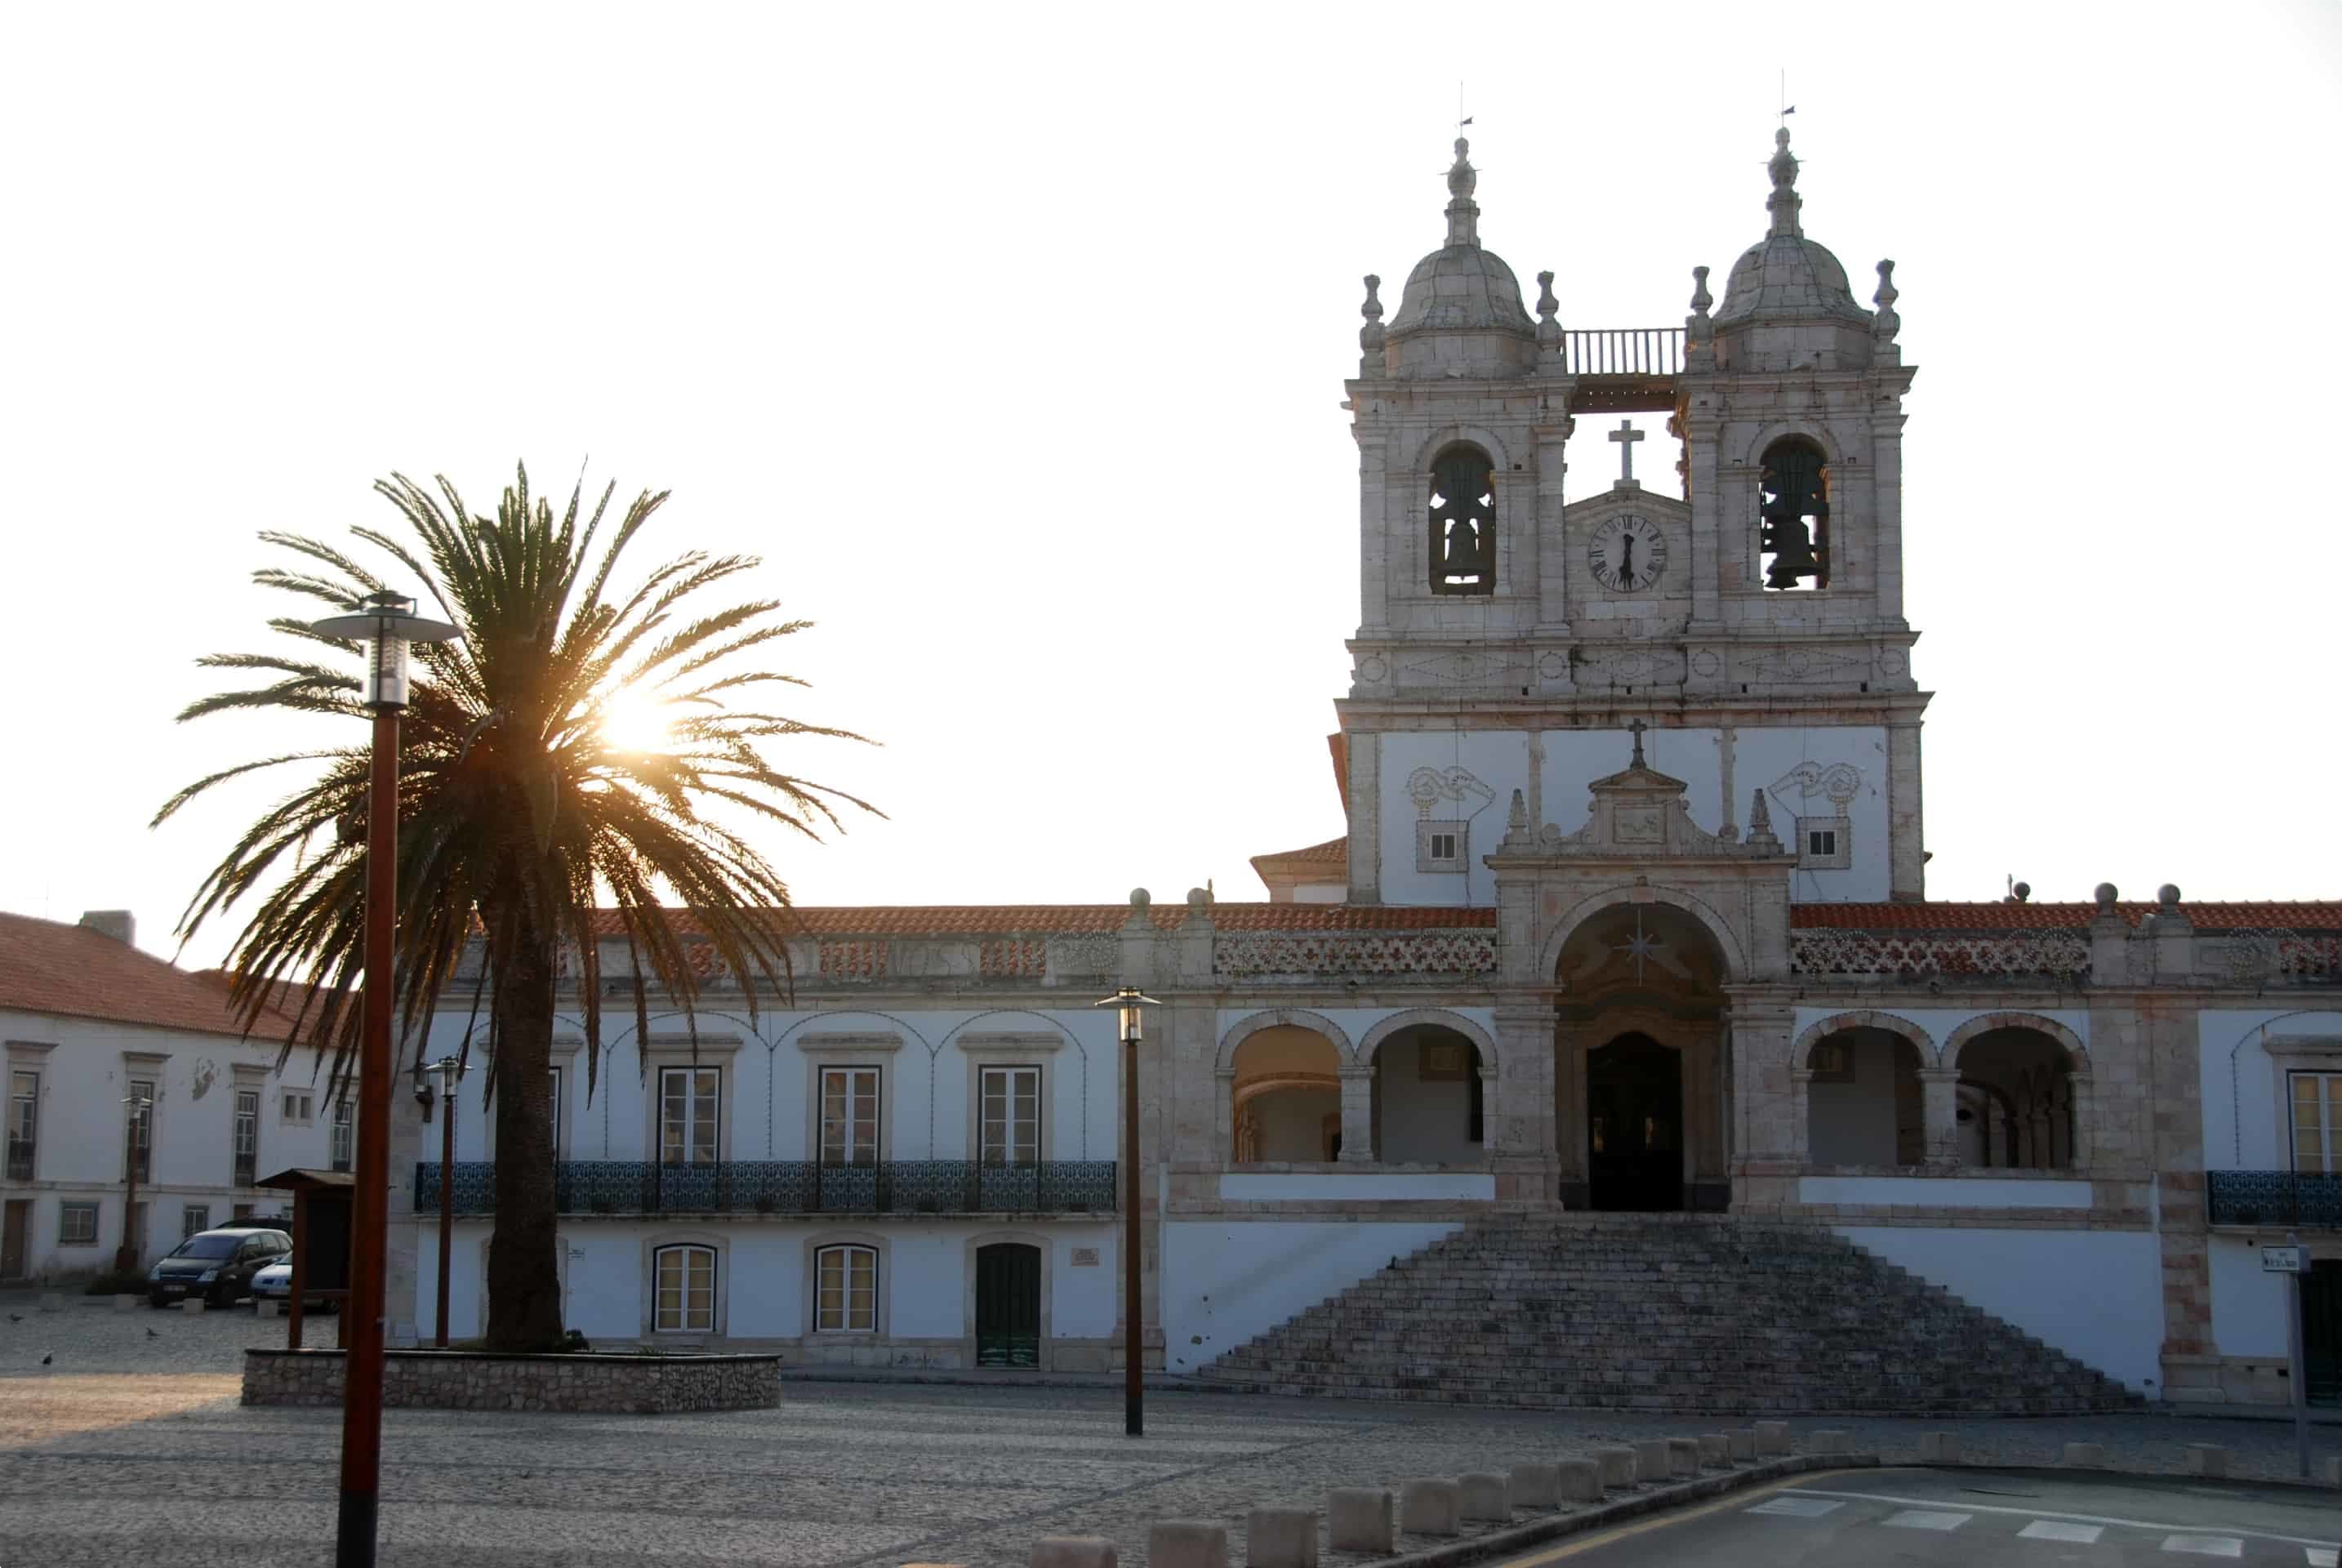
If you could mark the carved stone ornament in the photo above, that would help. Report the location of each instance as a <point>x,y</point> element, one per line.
<point>1636,812</point>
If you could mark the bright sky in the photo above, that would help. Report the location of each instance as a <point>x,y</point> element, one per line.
<point>1014,340</point>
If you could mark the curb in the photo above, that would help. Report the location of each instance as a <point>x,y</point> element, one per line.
<point>945,1377</point>
<point>1537,1532</point>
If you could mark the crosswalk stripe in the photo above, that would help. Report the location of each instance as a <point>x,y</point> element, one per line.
<point>1927,1519</point>
<point>2058,1530</point>
<point>2322,1556</point>
<point>1796,1507</point>
<point>2225,1530</point>
<point>2205,1545</point>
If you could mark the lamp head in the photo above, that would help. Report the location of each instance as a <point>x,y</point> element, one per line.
<point>386,624</point>
<point>1126,1004</point>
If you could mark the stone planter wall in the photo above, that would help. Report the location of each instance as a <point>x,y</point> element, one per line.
<point>475,1380</point>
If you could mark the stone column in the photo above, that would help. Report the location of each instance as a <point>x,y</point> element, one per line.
<point>1940,1104</point>
<point>1224,1097</point>
<point>1907,873</point>
<point>1357,1115</point>
<point>1772,1133</point>
<point>1569,1151</point>
<point>2077,1089</point>
<point>1801,1124</point>
<point>1553,558</point>
<point>1364,774</point>
<point>1376,530</point>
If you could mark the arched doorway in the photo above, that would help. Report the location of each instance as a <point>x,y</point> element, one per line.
<point>1008,1305</point>
<point>1634,1126</point>
<point>1642,1097</point>
<point>1428,1107</point>
<point>1285,1103</point>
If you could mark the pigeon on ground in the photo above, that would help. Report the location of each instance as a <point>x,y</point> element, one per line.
<point>152,1335</point>
<point>16,1317</point>
<point>47,1359</point>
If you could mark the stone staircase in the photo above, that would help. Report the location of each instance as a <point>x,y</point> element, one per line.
<point>1679,1312</point>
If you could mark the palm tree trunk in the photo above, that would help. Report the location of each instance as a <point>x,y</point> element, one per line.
<point>523,1268</point>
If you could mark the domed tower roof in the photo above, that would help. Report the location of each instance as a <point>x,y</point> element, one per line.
<point>1786,276</point>
<point>1461,314</point>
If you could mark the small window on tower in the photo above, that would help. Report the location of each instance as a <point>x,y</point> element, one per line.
<point>1439,845</point>
<point>1463,523</point>
<point>1825,844</point>
<point>1793,525</point>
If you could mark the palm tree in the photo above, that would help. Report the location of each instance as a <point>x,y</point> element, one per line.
<point>521,810</point>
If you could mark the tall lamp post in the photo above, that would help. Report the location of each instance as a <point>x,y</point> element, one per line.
<point>1127,1003</point>
<point>386,624</point>
<point>445,1073</point>
<point>126,1260</point>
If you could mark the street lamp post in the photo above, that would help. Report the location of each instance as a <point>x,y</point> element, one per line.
<point>386,624</point>
<point>1127,1003</point>
<point>126,1260</point>
<point>446,1073</point>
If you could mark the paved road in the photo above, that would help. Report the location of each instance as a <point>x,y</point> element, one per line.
<point>2025,1519</point>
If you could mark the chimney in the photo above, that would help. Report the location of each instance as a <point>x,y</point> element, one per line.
<point>119,923</point>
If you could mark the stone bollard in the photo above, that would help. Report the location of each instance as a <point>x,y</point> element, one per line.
<point>1482,1496</point>
<point>1939,1448</point>
<point>1073,1552</point>
<point>1715,1450</point>
<point>1826,1443</point>
<point>1538,1485</point>
<point>53,1301</point>
<point>2207,1459</point>
<point>1428,1507</point>
<point>1358,1519</point>
<point>2329,1470</point>
<point>1581,1480</point>
<point>1651,1459</point>
<point>193,1304</point>
<point>1743,1440</point>
<point>1618,1467</point>
<point>1186,1543</point>
<point>1772,1436</point>
<point>126,1304</point>
<point>1683,1456</point>
<point>1281,1538</point>
<point>2086,1455</point>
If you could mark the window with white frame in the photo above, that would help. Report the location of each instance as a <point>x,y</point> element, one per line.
<point>2316,1121</point>
<point>300,1106</point>
<point>24,1122</point>
<point>1009,1116</point>
<point>247,1146</point>
<point>138,1127</point>
<point>688,1097</point>
<point>845,1290</point>
<point>195,1219</point>
<point>341,1139</point>
<point>76,1225</point>
<point>849,1115</point>
<point>684,1281</point>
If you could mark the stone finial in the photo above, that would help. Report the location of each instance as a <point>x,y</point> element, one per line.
<point>1462,212</point>
<point>2105,895</point>
<point>1784,202</point>
<point>1549,326</point>
<point>1199,898</point>
<point>2020,893</point>
<point>1140,898</point>
<point>2166,898</point>
<point>1516,823</point>
<point>1885,324</point>
<point>1700,298</point>
<point>1760,826</point>
<point>1700,329</point>
<point>1371,336</point>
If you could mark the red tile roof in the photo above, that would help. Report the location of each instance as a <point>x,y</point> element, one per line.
<point>1334,852</point>
<point>1074,919</point>
<point>74,972</point>
<point>2004,916</point>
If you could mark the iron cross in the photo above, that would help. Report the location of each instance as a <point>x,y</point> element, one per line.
<point>1625,435</point>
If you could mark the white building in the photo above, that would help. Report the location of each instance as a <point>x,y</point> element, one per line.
<point>92,1026</point>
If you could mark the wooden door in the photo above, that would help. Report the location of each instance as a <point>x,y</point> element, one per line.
<point>1634,1101</point>
<point>1008,1305</point>
<point>2321,1332</point>
<point>17,1220</point>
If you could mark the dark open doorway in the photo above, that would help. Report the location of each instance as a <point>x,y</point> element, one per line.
<point>1634,1099</point>
<point>1008,1305</point>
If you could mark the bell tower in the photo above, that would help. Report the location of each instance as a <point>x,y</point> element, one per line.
<point>1507,641</point>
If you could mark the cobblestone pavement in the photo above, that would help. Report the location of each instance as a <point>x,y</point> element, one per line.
<point>129,1447</point>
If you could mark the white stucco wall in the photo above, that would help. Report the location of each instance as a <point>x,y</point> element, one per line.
<point>2097,1296</point>
<point>1946,1191</point>
<point>2249,1307</point>
<point>1762,758</point>
<point>1422,1123</point>
<point>1225,1282</point>
<point>1292,1123</point>
<point>1855,1123</point>
<point>2243,1120</point>
<point>1445,1187</point>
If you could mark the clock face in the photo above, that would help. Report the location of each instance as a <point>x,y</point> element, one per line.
<point>1628,553</point>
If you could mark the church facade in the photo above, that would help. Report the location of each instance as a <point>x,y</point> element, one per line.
<point>1631,915</point>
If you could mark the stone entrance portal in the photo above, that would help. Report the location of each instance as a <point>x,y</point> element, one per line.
<point>1634,1126</point>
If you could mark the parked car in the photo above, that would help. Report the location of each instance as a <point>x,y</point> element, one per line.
<point>217,1265</point>
<point>275,1283</point>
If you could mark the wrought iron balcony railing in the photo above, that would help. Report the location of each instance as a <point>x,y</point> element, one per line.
<point>794,1187</point>
<point>2305,1200</point>
<point>20,1159</point>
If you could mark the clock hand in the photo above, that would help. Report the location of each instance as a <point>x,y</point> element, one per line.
<point>1627,560</point>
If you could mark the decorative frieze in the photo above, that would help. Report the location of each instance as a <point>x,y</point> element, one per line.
<point>1947,955</point>
<point>1304,956</point>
